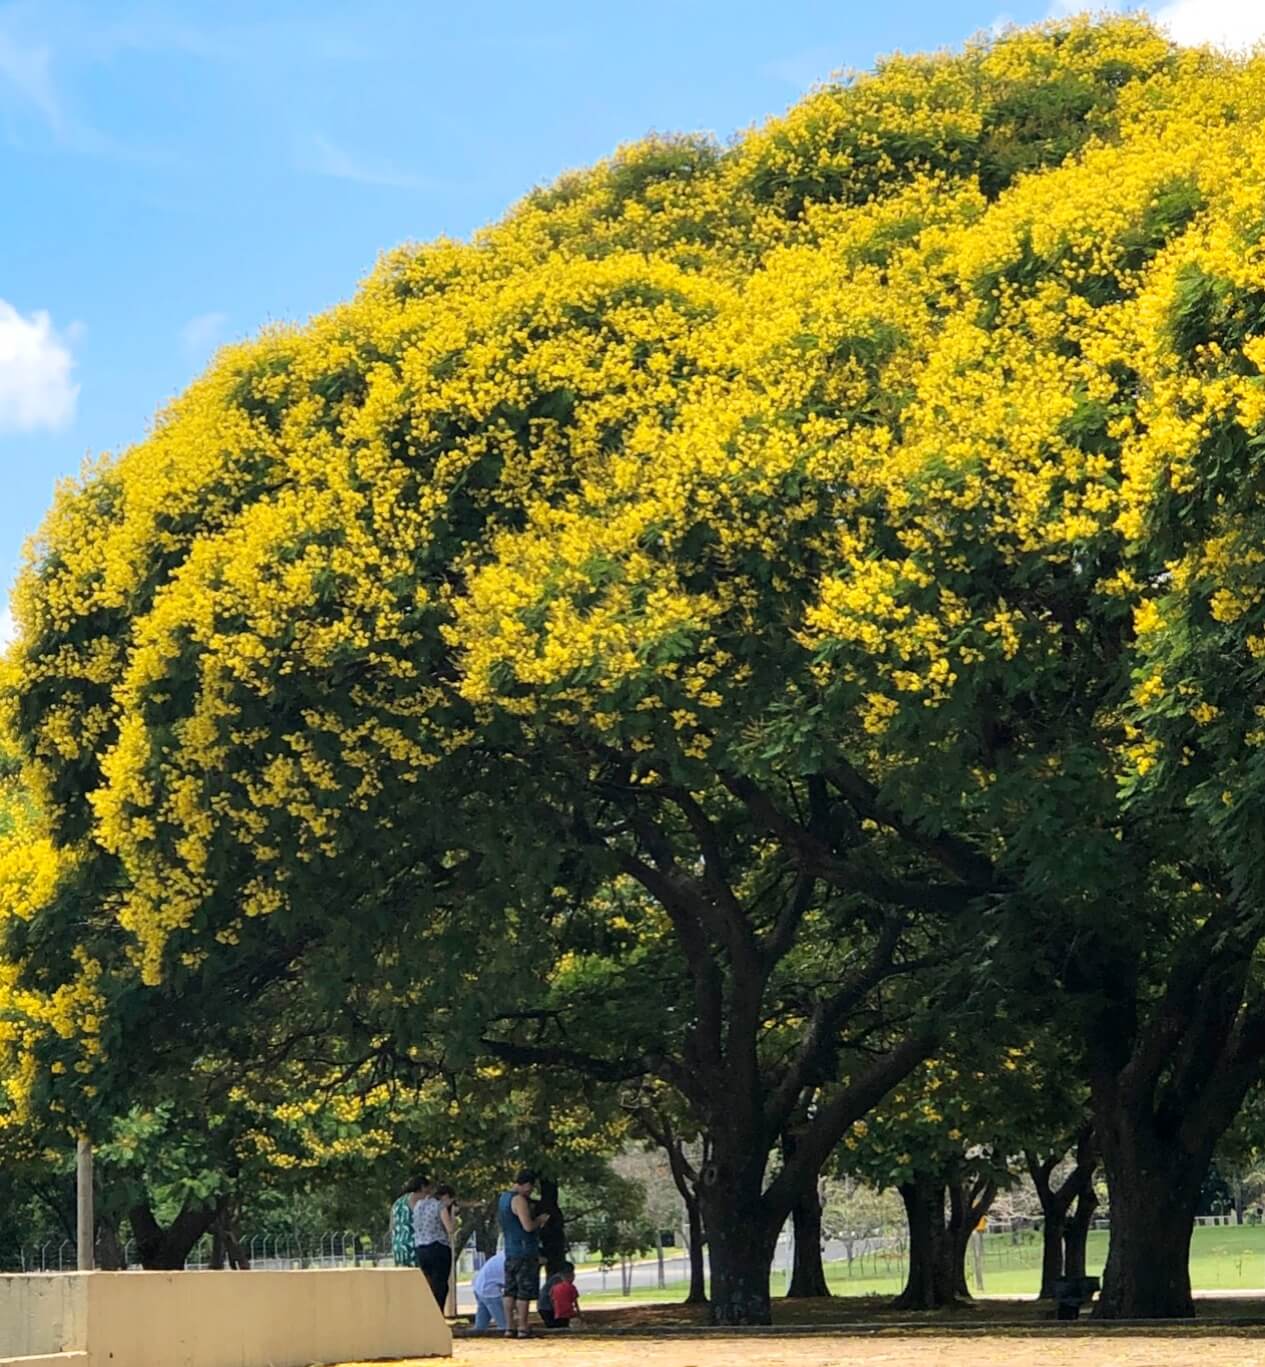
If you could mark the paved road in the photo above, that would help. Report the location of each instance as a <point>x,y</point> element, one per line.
<point>676,1268</point>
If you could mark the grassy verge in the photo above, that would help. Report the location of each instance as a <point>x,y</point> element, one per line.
<point>1222,1258</point>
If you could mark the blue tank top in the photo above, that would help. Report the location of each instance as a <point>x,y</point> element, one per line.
<point>518,1242</point>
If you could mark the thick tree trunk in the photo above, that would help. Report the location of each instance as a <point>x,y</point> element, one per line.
<point>1154,1185</point>
<point>1062,1238</point>
<point>553,1237</point>
<point>931,1283</point>
<point>1053,1236</point>
<point>741,1231</point>
<point>698,1264</point>
<point>968,1204</point>
<point>1168,1074</point>
<point>1054,1203</point>
<point>226,1245</point>
<point>740,1250</point>
<point>938,1247</point>
<point>168,1249</point>
<point>108,1254</point>
<point>1076,1231</point>
<point>808,1276</point>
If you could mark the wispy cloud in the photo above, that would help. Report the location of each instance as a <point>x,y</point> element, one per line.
<point>325,158</point>
<point>36,390</point>
<point>202,331</point>
<point>805,69</point>
<point>29,86</point>
<point>26,73</point>
<point>1063,9</point>
<point>8,627</point>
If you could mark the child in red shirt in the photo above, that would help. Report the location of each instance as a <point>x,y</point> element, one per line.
<point>566,1299</point>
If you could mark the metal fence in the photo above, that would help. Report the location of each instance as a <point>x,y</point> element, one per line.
<point>1009,1244</point>
<point>52,1256</point>
<point>280,1251</point>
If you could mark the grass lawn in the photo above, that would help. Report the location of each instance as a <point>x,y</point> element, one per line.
<point>1222,1258</point>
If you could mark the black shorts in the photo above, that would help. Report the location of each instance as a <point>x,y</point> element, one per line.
<point>522,1277</point>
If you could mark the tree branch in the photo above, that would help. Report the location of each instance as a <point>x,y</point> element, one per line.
<point>958,856</point>
<point>815,856</point>
<point>820,1038</point>
<point>847,1106</point>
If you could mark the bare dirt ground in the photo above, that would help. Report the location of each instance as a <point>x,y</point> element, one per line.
<point>922,1351</point>
<point>841,1332</point>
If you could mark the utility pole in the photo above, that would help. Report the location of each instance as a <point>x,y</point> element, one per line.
<point>86,1220</point>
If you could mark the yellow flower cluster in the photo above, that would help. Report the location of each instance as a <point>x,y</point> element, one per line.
<point>681,423</point>
<point>57,1028</point>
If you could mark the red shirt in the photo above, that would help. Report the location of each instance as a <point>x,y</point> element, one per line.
<point>566,1300</point>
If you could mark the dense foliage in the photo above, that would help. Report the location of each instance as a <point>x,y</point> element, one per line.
<point>754,575</point>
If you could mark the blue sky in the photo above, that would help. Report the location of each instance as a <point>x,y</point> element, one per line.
<point>175,174</point>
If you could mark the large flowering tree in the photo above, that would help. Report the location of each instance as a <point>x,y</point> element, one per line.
<point>816,535</point>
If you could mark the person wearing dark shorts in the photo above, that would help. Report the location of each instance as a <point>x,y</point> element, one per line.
<point>521,1232</point>
<point>522,1277</point>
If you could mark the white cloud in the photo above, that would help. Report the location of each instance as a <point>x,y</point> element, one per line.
<point>27,81</point>
<point>1224,23</point>
<point>26,71</point>
<point>35,364</point>
<point>803,70</point>
<point>328,159</point>
<point>8,627</point>
<point>203,331</point>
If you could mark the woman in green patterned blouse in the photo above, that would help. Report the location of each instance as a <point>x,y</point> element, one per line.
<point>402,1250</point>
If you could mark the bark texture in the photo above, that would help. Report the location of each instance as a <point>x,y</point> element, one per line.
<point>1168,1074</point>
<point>168,1249</point>
<point>808,1275</point>
<point>1062,1246</point>
<point>942,1212</point>
<point>553,1236</point>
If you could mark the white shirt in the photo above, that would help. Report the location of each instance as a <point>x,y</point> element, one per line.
<point>489,1280</point>
<point>428,1226</point>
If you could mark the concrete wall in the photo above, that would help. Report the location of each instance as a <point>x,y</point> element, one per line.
<point>41,1314</point>
<point>221,1319</point>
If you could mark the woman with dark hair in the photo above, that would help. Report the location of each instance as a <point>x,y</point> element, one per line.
<point>433,1226</point>
<point>403,1250</point>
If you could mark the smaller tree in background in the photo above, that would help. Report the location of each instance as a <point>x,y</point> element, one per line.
<point>651,1168</point>
<point>855,1214</point>
<point>1240,1158</point>
<point>1068,1200</point>
<point>663,1118</point>
<point>945,1140</point>
<point>616,1226</point>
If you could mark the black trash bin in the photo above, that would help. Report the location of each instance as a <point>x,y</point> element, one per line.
<point>1070,1293</point>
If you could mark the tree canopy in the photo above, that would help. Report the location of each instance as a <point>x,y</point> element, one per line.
<point>841,546</point>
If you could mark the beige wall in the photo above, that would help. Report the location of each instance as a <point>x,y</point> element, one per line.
<point>40,1314</point>
<point>223,1319</point>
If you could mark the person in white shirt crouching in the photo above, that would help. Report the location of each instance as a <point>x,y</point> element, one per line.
<point>489,1288</point>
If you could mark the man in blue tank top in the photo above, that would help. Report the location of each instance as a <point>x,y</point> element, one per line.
<point>521,1232</point>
